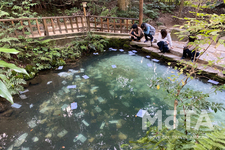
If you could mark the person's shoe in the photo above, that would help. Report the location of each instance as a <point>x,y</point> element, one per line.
<point>145,41</point>
<point>182,58</point>
<point>152,39</point>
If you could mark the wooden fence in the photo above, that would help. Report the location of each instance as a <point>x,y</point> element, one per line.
<point>48,26</point>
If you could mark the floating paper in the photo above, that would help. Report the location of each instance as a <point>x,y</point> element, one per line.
<point>65,90</point>
<point>141,113</point>
<point>73,71</point>
<point>64,82</point>
<point>95,53</point>
<point>98,109</point>
<point>64,107</point>
<point>62,133</point>
<point>74,105</point>
<point>131,53</point>
<point>49,82</point>
<point>15,105</point>
<point>79,96</point>
<point>23,96</point>
<point>147,56</point>
<point>113,66</point>
<point>31,105</point>
<point>155,60</point>
<point>80,137</point>
<point>110,48</point>
<point>85,76</point>
<point>60,68</point>
<point>32,123</point>
<point>213,82</point>
<point>22,92</point>
<point>114,50</point>
<point>121,50</point>
<point>134,51</point>
<point>81,70</point>
<point>100,99</point>
<point>80,114</point>
<point>102,125</point>
<point>85,123</point>
<point>71,86</point>
<point>113,121</point>
<point>149,65</point>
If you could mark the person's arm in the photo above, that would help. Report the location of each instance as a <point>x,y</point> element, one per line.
<point>152,30</point>
<point>160,37</point>
<point>148,30</point>
<point>131,32</point>
<point>169,40</point>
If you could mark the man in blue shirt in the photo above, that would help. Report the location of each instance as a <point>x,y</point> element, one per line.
<point>148,30</point>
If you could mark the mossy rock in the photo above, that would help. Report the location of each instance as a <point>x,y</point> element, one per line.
<point>29,68</point>
<point>126,46</point>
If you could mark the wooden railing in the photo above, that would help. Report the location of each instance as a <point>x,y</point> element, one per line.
<point>48,26</point>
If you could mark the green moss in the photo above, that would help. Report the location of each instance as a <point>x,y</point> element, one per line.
<point>29,68</point>
<point>20,75</point>
<point>118,43</point>
<point>125,46</point>
<point>31,76</point>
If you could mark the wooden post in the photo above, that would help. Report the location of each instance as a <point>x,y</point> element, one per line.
<point>140,12</point>
<point>58,21</point>
<point>77,24</point>
<point>95,24</point>
<point>21,22</point>
<point>31,29</point>
<point>88,23</point>
<point>64,20</point>
<point>101,24</point>
<point>71,23</point>
<point>84,7</point>
<point>14,28</point>
<point>52,23</point>
<point>114,25</point>
<point>121,26</point>
<point>45,27</point>
<point>108,24</point>
<point>38,27</point>
<point>127,26</point>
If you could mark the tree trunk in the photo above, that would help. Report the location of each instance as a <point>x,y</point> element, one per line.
<point>141,11</point>
<point>123,4</point>
<point>181,7</point>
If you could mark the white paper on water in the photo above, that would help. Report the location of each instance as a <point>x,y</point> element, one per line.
<point>22,92</point>
<point>23,96</point>
<point>80,137</point>
<point>113,121</point>
<point>141,113</point>
<point>15,105</point>
<point>85,76</point>
<point>60,67</point>
<point>155,60</point>
<point>71,86</point>
<point>213,82</point>
<point>113,66</point>
<point>147,56</point>
<point>85,123</point>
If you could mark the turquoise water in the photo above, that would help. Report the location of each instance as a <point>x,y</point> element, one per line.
<point>107,104</point>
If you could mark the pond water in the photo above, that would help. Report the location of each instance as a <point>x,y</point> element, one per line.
<point>107,102</point>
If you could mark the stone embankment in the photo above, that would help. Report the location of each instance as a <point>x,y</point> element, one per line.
<point>175,54</point>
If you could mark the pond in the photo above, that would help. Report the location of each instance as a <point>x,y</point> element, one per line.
<point>105,103</point>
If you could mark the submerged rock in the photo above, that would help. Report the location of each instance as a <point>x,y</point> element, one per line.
<point>91,140</point>
<point>122,136</point>
<point>32,123</point>
<point>49,135</point>
<point>62,133</point>
<point>35,139</point>
<point>20,140</point>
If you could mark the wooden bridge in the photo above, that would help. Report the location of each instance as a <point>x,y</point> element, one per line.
<point>50,26</point>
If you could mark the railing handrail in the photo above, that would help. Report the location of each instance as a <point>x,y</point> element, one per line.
<point>56,17</point>
<point>59,17</point>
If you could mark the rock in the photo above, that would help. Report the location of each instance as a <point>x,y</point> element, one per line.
<point>174,35</point>
<point>7,113</point>
<point>84,105</point>
<point>43,121</point>
<point>112,111</point>
<point>32,123</point>
<point>20,140</point>
<point>122,136</point>
<point>113,136</point>
<point>3,107</point>
<point>93,121</point>
<point>92,102</point>
<point>91,140</point>
<point>92,114</point>
<point>49,135</point>
<point>62,133</point>
<point>161,27</point>
<point>57,112</point>
<point>35,139</point>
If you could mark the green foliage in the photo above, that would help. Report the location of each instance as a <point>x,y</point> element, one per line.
<point>8,83</point>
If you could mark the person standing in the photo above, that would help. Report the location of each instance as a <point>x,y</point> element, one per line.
<point>149,31</point>
<point>165,41</point>
<point>136,33</point>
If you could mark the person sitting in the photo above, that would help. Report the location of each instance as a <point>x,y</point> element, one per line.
<point>190,49</point>
<point>136,33</point>
<point>164,41</point>
<point>149,31</point>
